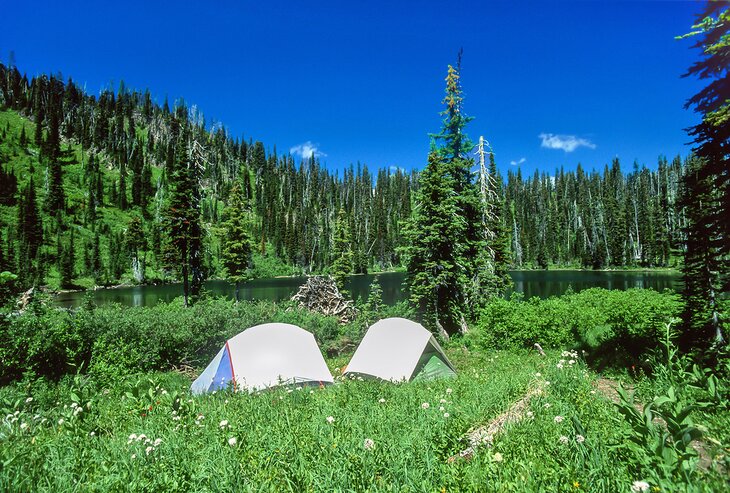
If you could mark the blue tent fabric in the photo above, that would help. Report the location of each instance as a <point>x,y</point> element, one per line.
<point>224,375</point>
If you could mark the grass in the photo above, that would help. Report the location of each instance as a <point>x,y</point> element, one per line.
<point>284,442</point>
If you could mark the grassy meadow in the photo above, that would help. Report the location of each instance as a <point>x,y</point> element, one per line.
<point>89,403</point>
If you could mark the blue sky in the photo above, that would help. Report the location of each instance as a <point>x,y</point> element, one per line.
<point>549,83</point>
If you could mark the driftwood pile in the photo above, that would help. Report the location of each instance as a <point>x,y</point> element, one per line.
<point>320,294</point>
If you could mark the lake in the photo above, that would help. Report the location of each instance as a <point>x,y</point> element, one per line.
<point>531,283</point>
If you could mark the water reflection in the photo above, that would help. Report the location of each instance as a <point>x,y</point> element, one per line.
<point>542,284</point>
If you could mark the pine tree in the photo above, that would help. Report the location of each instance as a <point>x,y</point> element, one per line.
<point>342,255</point>
<point>500,241</point>
<point>707,185</point>
<point>375,303</point>
<point>55,201</point>
<point>8,186</point>
<point>431,250</point>
<point>446,250</point>
<point>30,223</point>
<point>136,242</point>
<point>183,220</point>
<point>237,245</point>
<point>96,266</point>
<point>67,262</point>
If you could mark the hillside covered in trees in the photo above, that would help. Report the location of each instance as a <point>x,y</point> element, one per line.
<point>100,189</point>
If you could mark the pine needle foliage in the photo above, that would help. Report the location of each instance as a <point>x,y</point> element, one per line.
<point>706,186</point>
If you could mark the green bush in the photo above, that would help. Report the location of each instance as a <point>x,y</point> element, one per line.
<point>622,324</point>
<point>117,340</point>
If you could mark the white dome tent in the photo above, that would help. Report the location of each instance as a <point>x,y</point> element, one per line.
<point>265,356</point>
<point>398,349</point>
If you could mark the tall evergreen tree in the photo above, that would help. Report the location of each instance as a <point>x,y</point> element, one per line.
<point>237,245</point>
<point>707,184</point>
<point>183,219</point>
<point>342,255</point>
<point>55,201</point>
<point>431,251</point>
<point>67,261</point>
<point>30,223</point>
<point>136,243</point>
<point>446,279</point>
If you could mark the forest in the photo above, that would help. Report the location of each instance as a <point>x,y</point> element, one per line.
<point>87,182</point>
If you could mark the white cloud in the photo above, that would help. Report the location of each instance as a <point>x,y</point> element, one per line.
<point>307,150</point>
<point>394,169</point>
<point>516,163</point>
<point>568,143</point>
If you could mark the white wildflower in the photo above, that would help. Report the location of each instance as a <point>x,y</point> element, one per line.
<point>559,366</point>
<point>223,423</point>
<point>134,456</point>
<point>60,421</point>
<point>368,444</point>
<point>446,415</point>
<point>497,457</point>
<point>580,438</point>
<point>640,486</point>
<point>149,449</point>
<point>157,442</point>
<point>448,391</point>
<point>547,405</point>
<point>330,419</point>
<point>529,414</point>
<point>29,400</point>
<point>563,439</point>
<point>23,426</point>
<point>558,419</point>
<point>425,405</point>
<point>381,400</point>
<point>92,433</point>
<point>571,362</point>
<point>593,392</point>
<point>232,441</point>
<point>538,374</point>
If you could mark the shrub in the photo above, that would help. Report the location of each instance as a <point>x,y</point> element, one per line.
<point>623,324</point>
<point>117,340</point>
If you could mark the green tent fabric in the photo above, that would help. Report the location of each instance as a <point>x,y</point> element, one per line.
<point>431,367</point>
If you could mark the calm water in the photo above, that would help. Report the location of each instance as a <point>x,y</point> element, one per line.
<point>532,283</point>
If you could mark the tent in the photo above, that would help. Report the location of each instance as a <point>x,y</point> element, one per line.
<point>397,349</point>
<point>265,356</point>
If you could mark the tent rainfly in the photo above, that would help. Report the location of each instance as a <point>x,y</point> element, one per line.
<point>265,356</point>
<point>397,349</point>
